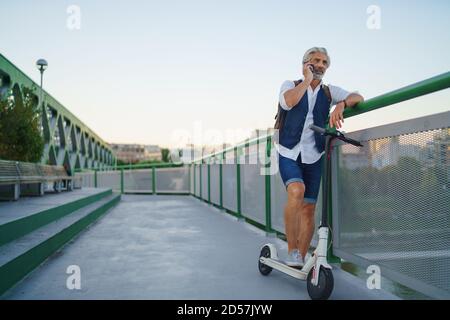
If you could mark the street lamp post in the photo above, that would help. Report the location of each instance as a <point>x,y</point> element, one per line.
<point>41,64</point>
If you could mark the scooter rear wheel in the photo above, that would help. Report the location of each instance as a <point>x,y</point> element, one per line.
<point>324,287</point>
<point>264,269</point>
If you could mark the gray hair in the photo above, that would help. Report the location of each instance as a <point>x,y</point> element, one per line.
<point>313,50</point>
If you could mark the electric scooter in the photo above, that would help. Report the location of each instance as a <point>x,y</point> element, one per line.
<point>316,270</point>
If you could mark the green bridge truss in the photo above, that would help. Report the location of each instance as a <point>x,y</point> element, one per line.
<point>68,141</point>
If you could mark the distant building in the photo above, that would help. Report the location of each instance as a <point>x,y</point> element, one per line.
<point>196,152</point>
<point>153,152</point>
<point>260,133</point>
<point>438,149</point>
<point>353,158</point>
<point>190,153</point>
<point>207,150</point>
<point>134,153</point>
<point>390,153</point>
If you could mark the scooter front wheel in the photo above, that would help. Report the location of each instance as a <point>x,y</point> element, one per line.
<point>324,287</point>
<point>264,269</point>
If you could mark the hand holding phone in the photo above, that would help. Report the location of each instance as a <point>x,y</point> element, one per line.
<point>308,71</point>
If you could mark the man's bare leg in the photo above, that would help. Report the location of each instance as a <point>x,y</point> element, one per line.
<point>292,211</point>
<point>306,227</point>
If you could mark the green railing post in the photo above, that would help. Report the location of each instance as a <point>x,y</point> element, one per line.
<point>267,185</point>
<point>121,181</point>
<point>95,179</point>
<point>238,182</point>
<point>201,182</point>
<point>221,179</point>
<point>209,181</point>
<point>153,180</point>
<point>189,178</point>
<point>195,178</point>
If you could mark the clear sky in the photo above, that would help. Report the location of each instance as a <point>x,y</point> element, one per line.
<point>141,71</point>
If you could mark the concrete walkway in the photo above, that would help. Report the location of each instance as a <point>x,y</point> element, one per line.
<point>172,247</point>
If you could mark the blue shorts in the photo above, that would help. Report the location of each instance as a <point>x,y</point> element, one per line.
<point>296,171</point>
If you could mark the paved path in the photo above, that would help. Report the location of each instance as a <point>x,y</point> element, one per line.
<point>172,247</point>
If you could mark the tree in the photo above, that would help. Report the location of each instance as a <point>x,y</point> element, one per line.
<point>165,154</point>
<point>20,134</point>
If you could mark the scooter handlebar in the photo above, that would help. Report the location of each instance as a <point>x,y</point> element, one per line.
<point>336,134</point>
<point>353,142</point>
<point>317,129</point>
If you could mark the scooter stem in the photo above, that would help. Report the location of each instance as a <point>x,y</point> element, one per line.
<point>320,254</point>
<point>326,181</point>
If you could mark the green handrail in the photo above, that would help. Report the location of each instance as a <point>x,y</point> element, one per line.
<point>148,166</point>
<point>417,89</point>
<point>134,166</point>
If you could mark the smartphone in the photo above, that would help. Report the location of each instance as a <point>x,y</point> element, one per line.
<point>311,67</point>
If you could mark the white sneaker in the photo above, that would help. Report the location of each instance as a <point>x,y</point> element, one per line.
<point>294,259</point>
<point>307,257</point>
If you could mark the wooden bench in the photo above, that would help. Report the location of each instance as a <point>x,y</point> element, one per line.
<point>59,176</point>
<point>9,180</point>
<point>22,178</point>
<point>30,179</point>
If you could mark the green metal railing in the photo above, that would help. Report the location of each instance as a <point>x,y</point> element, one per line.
<point>415,90</point>
<point>68,141</point>
<point>421,88</point>
<point>122,168</point>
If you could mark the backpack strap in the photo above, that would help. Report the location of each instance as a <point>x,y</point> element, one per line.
<point>327,92</point>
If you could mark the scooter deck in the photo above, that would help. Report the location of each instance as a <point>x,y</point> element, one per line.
<point>280,266</point>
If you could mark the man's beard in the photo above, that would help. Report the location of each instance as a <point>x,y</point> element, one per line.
<point>317,76</point>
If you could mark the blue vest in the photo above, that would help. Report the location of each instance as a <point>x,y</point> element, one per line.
<point>291,131</point>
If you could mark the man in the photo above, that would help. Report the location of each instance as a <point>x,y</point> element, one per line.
<point>300,149</point>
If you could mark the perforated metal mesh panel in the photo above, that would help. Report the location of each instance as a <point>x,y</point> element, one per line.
<point>109,179</point>
<point>87,179</point>
<point>197,180</point>
<point>229,183</point>
<point>252,186</point>
<point>204,191</point>
<point>191,183</point>
<point>278,195</point>
<point>392,206</point>
<point>215,183</point>
<point>138,181</point>
<point>173,180</point>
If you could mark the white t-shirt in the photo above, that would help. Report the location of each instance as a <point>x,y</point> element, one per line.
<point>307,144</point>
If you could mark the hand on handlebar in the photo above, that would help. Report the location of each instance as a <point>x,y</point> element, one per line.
<point>337,116</point>
<point>339,135</point>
